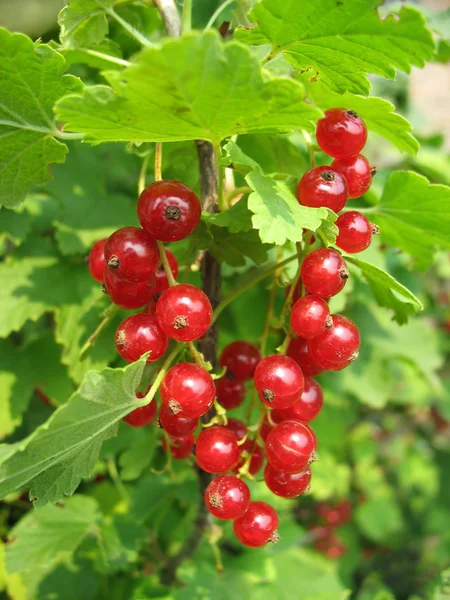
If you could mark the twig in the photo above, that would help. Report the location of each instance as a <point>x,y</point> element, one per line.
<point>171,18</point>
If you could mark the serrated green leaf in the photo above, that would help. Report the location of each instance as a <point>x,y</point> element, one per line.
<point>31,80</point>
<point>120,539</point>
<point>274,153</point>
<point>84,22</point>
<point>339,42</point>
<point>388,291</point>
<point>139,454</point>
<point>94,57</point>
<point>236,218</point>
<point>235,248</point>
<point>43,537</point>
<point>194,87</point>
<point>414,215</point>
<point>236,159</point>
<point>57,455</point>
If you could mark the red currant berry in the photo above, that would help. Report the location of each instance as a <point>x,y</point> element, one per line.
<point>256,460</point>
<point>307,408</point>
<point>341,133</point>
<point>258,526</point>
<point>297,293</point>
<point>230,392</point>
<point>338,346</point>
<point>240,359</point>
<point>335,514</point>
<point>217,450</point>
<point>357,172</point>
<point>184,312</point>
<point>126,294</point>
<point>168,210</point>
<point>227,497</point>
<point>310,316</point>
<point>139,334</point>
<point>143,415</point>
<point>324,272</point>
<point>291,446</point>
<point>279,381</point>
<point>286,485</point>
<point>97,260</point>
<point>355,232</point>
<point>179,447</point>
<point>151,306</point>
<point>298,350</point>
<point>176,425</point>
<point>161,282</point>
<point>132,254</point>
<point>237,427</point>
<point>323,186</point>
<point>265,429</point>
<point>188,390</point>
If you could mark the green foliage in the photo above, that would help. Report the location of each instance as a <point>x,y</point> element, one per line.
<point>84,22</point>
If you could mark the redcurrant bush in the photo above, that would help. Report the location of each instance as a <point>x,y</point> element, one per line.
<point>338,346</point>
<point>97,260</point>
<point>355,232</point>
<point>279,381</point>
<point>341,133</point>
<point>357,172</point>
<point>240,359</point>
<point>257,526</point>
<point>188,390</point>
<point>324,272</point>
<point>176,425</point>
<point>291,446</point>
<point>184,312</point>
<point>132,254</point>
<point>139,334</point>
<point>286,485</point>
<point>217,450</point>
<point>323,186</point>
<point>227,497</point>
<point>310,316</point>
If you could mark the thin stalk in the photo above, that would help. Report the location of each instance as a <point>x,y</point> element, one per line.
<point>109,314</point>
<point>166,364</point>
<point>158,161</point>
<point>186,18</point>
<point>221,177</point>
<point>114,474</point>
<point>165,264</point>
<point>108,57</point>
<point>310,146</point>
<point>67,135</point>
<point>269,316</point>
<point>271,55</point>
<point>137,35</point>
<point>217,13</point>
<point>143,174</point>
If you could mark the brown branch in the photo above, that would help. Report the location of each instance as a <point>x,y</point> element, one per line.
<point>170,16</point>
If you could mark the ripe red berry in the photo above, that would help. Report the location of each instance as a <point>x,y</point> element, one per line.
<point>132,254</point>
<point>265,429</point>
<point>310,316</point>
<point>298,350</point>
<point>328,543</point>
<point>240,359</point>
<point>217,450</point>
<point>184,312</point>
<point>161,282</point>
<point>324,272</point>
<point>297,293</point>
<point>180,447</point>
<point>323,186</point>
<point>279,381</point>
<point>150,308</point>
<point>176,425</point>
<point>355,232</point>
<point>237,427</point>
<point>97,260</point>
<point>139,417</point>
<point>230,392</point>
<point>126,294</point>
<point>286,485</point>
<point>168,210</point>
<point>139,334</point>
<point>257,526</point>
<point>256,460</point>
<point>188,390</point>
<point>307,408</point>
<point>338,346</point>
<point>357,172</point>
<point>291,446</point>
<point>335,514</point>
<point>227,497</point>
<point>341,133</point>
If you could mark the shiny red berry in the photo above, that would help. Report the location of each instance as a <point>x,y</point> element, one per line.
<point>184,312</point>
<point>230,392</point>
<point>132,254</point>
<point>323,186</point>
<point>357,172</point>
<point>324,272</point>
<point>279,381</point>
<point>150,308</point>
<point>217,450</point>
<point>180,447</point>
<point>227,497</point>
<point>265,429</point>
<point>176,425</point>
<point>168,210</point>
<point>188,390</point>
<point>291,446</point>
<point>258,526</point>
<point>298,350</point>
<point>310,316</point>
<point>97,260</point>
<point>335,514</point>
<point>139,417</point>
<point>307,408</point>
<point>126,294</point>
<point>341,133</point>
<point>240,359</point>
<point>139,334</point>
<point>338,346</point>
<point>161,282</point>
<point>355,232</point>
<point>237,427</point>
<point>286,485</point>
<point>256,460</point>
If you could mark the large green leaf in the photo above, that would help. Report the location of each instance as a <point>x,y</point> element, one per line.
<point>194,87</point>
<point>57,455</point>
<point>339,42</point>
<point>84,22</point>
<point>31,80</point>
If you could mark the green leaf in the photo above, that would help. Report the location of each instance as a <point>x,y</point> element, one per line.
<point>84,22</point>
<point>339,42</point>
<point>388,291</point>
<point>120,541</point>
<point>275,154</point>
<point>31,80</point>
<point>236,159</point>
<point>194,87</point>
<point>57,455</point>
<point>236,218</point>
<point>235,248</point>
<point>378,114</point>
<point>47,536</point>
<point>279,217</point>
<point>414,215</point>
<point>380,518</point>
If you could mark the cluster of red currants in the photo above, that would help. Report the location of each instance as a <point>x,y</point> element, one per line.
<point>326,519</point>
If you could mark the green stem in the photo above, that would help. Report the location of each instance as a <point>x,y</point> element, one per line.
<point>217,13</point>
<point>158,161</point>
<point>271,55</point>
<point>186,18</point>
<point>235,192</point>
<point>108,57</point>
<point>166,364</point>
<point>114,474</point>
<point>310,147</point>
<point>143,174</point>
<point>267,324</point>
<point>129,28</point>
<point>221,176</point>
<point>165,264</point>
<point>67,135</point>
<point>109,314</point>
